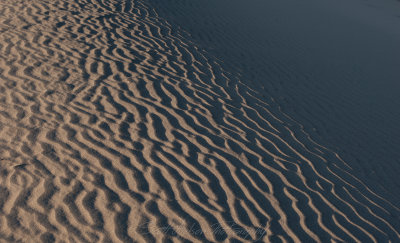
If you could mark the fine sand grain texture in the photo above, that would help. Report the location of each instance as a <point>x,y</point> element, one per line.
<point>117,126</point>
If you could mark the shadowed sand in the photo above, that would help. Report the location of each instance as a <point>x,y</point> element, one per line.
<point>121,125</point>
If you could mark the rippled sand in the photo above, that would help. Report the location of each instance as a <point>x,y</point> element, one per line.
<point>115,126</point>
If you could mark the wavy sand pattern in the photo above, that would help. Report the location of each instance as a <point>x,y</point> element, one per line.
<point>115,128</point>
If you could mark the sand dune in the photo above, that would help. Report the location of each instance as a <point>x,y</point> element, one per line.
<point>331,65</point>
<point>116,127</point>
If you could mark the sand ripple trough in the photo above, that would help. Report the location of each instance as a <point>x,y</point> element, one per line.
<point>115,128</point>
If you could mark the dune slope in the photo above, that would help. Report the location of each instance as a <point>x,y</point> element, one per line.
<point>114,127</point>
<point>333,66</point>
